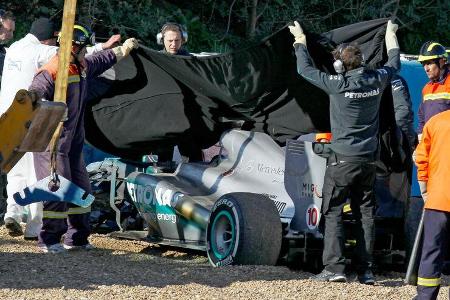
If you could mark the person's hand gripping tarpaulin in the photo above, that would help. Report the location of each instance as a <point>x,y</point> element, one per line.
<point>55,187</point>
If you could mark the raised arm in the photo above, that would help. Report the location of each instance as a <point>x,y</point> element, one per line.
<point>102,61</point>
<point>392,47</point>
<point>305,67</point>
<point>392,66</point>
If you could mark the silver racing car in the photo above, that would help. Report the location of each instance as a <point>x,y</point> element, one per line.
<point>252,204</point>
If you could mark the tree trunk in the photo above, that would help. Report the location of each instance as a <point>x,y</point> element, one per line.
<point>252,18</point>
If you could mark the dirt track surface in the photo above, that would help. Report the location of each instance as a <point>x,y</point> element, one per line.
<point>120,269</point>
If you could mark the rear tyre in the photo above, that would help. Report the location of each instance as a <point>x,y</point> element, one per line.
<point>243,229</point>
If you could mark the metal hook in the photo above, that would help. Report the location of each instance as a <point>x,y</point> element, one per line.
<point>54,183</point>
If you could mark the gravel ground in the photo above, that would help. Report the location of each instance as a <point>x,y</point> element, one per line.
<point>120,269</point>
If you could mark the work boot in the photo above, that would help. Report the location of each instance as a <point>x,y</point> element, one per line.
<point>367,278</point>
<point>326,275</point>
<point>86,247</point>
<point>53,249</point>
<point>30,235</point>
<point>14,228</point>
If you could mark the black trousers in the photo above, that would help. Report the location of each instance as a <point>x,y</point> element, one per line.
<point>3,195</point>
<point>354,181</point>
<point>436,229</point>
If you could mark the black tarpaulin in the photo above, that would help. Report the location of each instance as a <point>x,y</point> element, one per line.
<point>157,100</point>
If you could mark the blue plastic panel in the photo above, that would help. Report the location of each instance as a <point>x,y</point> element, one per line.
<point>67,192</point>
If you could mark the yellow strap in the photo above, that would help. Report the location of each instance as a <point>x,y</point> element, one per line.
<point>351,242</point>
<point>55,214</point>
<point>430,47</point>
<point>347,208</point>
<point>79,210</point>
<point>430,282</point>
<point>86,33</point>
<point>73,79</point>
<point>437,96</point>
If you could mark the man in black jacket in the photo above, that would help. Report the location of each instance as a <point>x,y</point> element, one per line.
<point>404,115</point>
<point>355,95</point>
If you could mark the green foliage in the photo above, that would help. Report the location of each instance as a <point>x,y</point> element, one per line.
<point>221,25</point>
<point>423,21</point>
<point>134,18</point>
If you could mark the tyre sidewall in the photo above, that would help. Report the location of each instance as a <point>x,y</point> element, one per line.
<point>228,208</point>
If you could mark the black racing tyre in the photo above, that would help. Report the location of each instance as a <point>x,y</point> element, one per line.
<point>243,229</point>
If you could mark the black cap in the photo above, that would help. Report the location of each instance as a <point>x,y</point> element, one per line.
<point>43,29</point>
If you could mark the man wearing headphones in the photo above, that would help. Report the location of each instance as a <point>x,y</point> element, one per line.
<point>172,36</point>
<point>7,27</point>
<point>355,95</point>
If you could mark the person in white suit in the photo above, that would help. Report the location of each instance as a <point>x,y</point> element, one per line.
<point>22,60</point>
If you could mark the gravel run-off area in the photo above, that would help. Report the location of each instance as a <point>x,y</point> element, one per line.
<point>123,269</point>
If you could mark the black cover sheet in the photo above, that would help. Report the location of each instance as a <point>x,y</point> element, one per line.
<point>157,100</point>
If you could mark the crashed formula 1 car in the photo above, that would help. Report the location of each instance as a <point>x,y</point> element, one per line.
<point>254,202</point>
<point>239,206</point>
<point>259,198</point>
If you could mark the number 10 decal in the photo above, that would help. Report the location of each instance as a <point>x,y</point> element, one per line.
<point>312,216</point>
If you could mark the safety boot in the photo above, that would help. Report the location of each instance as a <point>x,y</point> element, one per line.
<point>326,275</point>
<point>13,227</point>
<point>53,249</point>
<point>367,278</point>
<point>86,247</point>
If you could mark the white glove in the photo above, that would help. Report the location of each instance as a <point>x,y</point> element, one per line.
<point>125,49</point>
<point>298,34</point>
<point>391,38</point>
<point>419,137</point>
<point>423,190</point>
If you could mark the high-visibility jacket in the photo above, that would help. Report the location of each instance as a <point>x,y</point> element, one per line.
<point>435,99</point>
<point>44,84</point>
<point>433,161</point>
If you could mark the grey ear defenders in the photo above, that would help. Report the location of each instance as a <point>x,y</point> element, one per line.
<point>338,64</point>
<point>160,35</point>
